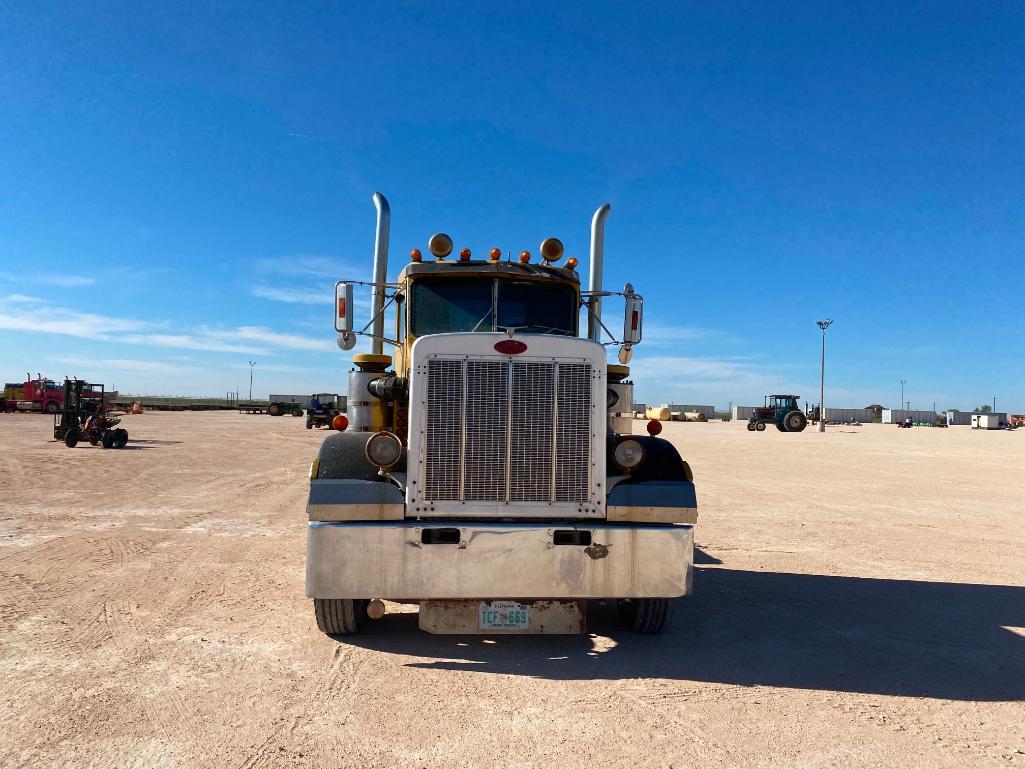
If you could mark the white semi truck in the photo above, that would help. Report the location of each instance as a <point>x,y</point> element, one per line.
<point>487,470</point>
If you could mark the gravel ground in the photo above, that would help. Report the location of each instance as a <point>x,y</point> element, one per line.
<point>859,602</point>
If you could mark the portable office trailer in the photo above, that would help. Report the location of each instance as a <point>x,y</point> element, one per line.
<point>960,417</point>
<point>894,416</point>
<point>742,413</point>
<point>990,421</point>
<point>848,415</point>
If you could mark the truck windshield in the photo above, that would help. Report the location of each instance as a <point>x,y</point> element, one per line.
<point>447,305</point>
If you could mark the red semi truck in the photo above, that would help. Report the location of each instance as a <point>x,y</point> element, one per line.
<point>39,394</point>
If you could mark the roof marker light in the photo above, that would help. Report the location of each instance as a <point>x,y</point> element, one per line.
<point>440,245</point>
<point>495,254</point>
<point>415,255</point>
<point>572,263</point>
<point>464,255</point>
<point>524,257</point>
<point>551,249</point>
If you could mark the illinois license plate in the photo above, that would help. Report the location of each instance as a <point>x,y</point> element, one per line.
<point>503,615</point>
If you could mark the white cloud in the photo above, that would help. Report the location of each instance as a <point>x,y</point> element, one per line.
<point>659,334</point>
<point>123,364</point>
<point>292,295</point>
<point>52,279</point>
<point>22,299</point>
<point>273,338</point>
<point>308,265</point>
<point>190,342</point>
<point>49,319</point>
<point>56,320</point>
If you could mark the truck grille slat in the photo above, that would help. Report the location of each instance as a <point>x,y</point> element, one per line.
<point>530,465</point>
<point>444,433</point>
<point>489,431</point>
<point>487,401</point>
<point>573,444</point>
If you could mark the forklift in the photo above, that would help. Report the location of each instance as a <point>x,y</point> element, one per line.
<point>84,417</point>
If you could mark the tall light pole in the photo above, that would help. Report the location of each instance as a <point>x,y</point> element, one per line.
<point>902,383</point>
<point>823,324</point>
<point>252,363</point>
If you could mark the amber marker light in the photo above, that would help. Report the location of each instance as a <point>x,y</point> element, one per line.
<point>340,422</point>
<point>464,255</point>
<point>572,263</point>
<point>654,427</point>
<point>415,255</point>
<point>524,257</point>
<point>495,254</point>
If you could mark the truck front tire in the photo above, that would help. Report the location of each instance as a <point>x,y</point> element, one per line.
<point>645,615</point>
<point>340,616</point>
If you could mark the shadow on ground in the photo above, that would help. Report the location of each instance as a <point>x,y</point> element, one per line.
<point>879,636</point>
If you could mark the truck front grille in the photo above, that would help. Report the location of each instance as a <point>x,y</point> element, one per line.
<point>507,431</point>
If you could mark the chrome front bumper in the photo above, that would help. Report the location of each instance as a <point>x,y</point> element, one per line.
<point>391,560</point>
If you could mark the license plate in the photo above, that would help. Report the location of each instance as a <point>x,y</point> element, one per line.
<point>503,615</point>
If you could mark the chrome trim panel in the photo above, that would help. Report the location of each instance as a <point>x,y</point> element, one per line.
<point>389,560</point>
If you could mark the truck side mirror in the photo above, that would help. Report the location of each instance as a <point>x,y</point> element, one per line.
<point>634,318</point>
<point>343,316</point>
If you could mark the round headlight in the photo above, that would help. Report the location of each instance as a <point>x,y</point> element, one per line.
<point>384,449</point>
<point>628,454</point>
<point>440,245</point>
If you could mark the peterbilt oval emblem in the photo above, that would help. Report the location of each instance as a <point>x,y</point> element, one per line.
<point>510,347</point>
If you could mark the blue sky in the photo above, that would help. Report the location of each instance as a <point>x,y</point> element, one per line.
<point>181,185</point>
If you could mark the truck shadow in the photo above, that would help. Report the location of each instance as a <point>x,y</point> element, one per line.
<point>880,636</point>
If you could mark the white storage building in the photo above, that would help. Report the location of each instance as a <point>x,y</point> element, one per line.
<point>994,420</point>
<point>893,416</point>
<point>741,413</point>
<point>848,415</point>
<point>962,417</point>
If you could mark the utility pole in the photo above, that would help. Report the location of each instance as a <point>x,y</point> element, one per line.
<point>823,324</point>
<point>252,363</point>
<point>902,383</point>
<point>994,404</point>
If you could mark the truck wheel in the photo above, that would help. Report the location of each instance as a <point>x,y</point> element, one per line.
<point>751,427</point>
<point>297,412</point>
<point>340,616</point>
<point>107,439</point>
<point>120,438</point>
<point>274,410</point>
<point>52,407</point>
<point>795,421</point>
<point>71,439</point>
<point>309,425</point>
<point>94,439</point>
<point>645,615</point>
<point>760,427</point>
<point>781,428</point>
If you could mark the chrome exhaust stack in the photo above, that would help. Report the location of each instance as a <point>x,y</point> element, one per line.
<point>380,272</point>
<point>597,254</point>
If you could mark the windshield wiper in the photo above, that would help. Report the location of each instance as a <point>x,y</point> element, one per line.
<point>482,319</point>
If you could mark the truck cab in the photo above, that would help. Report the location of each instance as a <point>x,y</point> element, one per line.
<point>488,470</point>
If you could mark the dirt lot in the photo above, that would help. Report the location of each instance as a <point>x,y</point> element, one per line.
<point>859,602</point>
